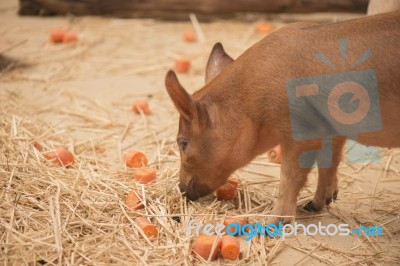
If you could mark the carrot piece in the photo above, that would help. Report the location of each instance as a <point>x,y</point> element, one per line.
<point>57,35</point>
<point>203,244</point>
<point>61,156</point>
<point>149,229</point>
<point>275,154</point>
<point>134,201</point>
<point>135,159</point>
<point>182,65</point>
<point>229,190</point>
<point>230,247</point>
<point>229,221</point>
<point>141,105</point>
<point>145,175</point>
<point>264,27</point>
<point>189,36</point>
<point>70,37</point>
<point>38,146</point>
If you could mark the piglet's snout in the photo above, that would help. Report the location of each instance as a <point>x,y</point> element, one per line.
<point>194,190</point>
<point>187,190</point>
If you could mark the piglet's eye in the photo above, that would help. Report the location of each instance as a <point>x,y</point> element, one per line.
<point>183,143</point>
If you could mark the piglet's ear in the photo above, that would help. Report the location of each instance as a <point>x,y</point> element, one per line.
<point>217,61</point>
<point>181,99</point>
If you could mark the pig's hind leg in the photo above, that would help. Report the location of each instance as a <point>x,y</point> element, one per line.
<point>327,188</point>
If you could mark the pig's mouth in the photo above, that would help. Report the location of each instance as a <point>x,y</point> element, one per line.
<point>194,190</point>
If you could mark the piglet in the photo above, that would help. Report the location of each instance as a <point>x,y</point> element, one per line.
<point>248,106</point>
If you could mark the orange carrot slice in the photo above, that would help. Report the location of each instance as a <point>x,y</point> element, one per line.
<point>229,221</point>
<point>182,65</point>
<point>145,175</point>
<point>57,35</point>
<point>135,159</point>
<point>61,156</point>
<point>229,190</point>
<point>264,27</point>
<point>141,105</point>
<point>230,247</point>
<point>203,246</point>
<point>189,36</point>
<point>275,154</point>
<point>134,201</point>
<point>149,229</point>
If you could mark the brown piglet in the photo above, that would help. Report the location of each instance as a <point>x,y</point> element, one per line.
<point>245,107</point>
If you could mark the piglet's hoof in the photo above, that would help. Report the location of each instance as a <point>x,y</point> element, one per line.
<point>310,207</point>
<point>328,201</point>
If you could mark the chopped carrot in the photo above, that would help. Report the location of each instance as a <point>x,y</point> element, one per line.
<point>145,175</point>
<point>229,221</point>
<point>57,35</point>
<point>189,36</point>
<point>229,190</point>
<point>70,37</point>
<point>61,156</point>
<point>203,246</point>
<point>141,105</point>
<point>149,229</point>
<point>275,154</point>
<point>182,65</point>
<point>230,247</point>
<point>134,201</point>
<point>264,27</point>
<point>135,159</point>
<point>38,146</point>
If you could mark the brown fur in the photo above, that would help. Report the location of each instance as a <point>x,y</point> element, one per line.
<point>243,111</point>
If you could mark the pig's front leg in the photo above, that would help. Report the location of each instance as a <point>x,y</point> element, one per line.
<point>327,187</point>
<point>292,180</point>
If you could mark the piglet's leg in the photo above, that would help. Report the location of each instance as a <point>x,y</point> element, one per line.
<point>327,187</point>
<point>293,177</point>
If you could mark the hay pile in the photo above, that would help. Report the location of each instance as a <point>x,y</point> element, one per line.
<point>53,215</point>
<point>76,215</point>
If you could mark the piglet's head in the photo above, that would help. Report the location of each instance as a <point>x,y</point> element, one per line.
<point>203,144</point>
